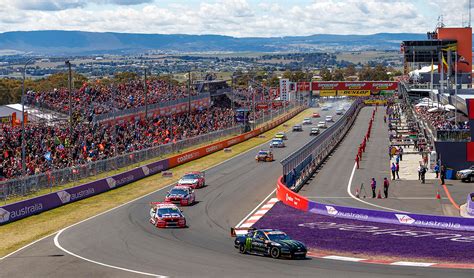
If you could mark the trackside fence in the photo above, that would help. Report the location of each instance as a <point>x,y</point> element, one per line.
<point>299,166</point>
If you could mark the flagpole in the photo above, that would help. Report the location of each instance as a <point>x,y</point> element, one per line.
<point>456,87</point>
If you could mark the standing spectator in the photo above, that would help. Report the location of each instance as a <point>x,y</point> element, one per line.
<point>400,153</point>
<point>393,169</point>
<point>386,184</point>
<point>436,170</point>
<point>397,169</point>
<point>373,185</point>
<point>442,174</point>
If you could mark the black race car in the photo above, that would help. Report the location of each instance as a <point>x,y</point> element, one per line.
<point>269,242</point>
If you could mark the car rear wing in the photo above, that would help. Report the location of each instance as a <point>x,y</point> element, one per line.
<point>240,231</point>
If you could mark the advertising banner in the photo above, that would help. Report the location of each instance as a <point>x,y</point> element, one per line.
<point>375,101</point>
<point>304,86</point>
<point>384,85</point>
<point>408,219</point>
<point>374,86</point>
<point>22,209</point>
<point>354,93</point>
<point>326,85</point>
<point>327,93</point>
<point>290,198</point>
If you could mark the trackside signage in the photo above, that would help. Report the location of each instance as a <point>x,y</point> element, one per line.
<point>22,209</point>
<point>417,220</point>
<point>290,198</point>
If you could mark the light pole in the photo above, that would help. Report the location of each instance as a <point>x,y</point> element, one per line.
<point>232,96</point>
<point>189,92</point>
<point>23,154</point>
<point>68,63</point>
<point>146,97</point>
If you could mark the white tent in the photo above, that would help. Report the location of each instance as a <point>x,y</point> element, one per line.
<point>450,107</point>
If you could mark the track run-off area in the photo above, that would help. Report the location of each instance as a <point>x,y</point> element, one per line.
<point>122,243</point>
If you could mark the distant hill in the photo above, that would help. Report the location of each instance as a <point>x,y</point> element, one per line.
<point>83,43</point>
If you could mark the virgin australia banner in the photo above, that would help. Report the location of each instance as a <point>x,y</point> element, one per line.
<point>409,219</point>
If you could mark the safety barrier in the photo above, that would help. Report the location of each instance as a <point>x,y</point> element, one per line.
<point>293,199</point>
<point>22,209</point>
<point>299,166</point>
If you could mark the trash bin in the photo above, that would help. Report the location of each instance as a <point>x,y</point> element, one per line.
<point>450,174</point>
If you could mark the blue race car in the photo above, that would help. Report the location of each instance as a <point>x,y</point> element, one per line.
<point>269,242</point>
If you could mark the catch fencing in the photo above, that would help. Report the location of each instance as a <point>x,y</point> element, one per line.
<point>299,166</point>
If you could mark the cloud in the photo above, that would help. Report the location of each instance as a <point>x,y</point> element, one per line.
<point>58,5</point>
<point>230,17</point>
<point>48,5</point>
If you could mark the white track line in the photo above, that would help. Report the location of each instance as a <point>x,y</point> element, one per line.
<point>56,242</point>
<point>255,209</point>
<point>389,198</point>
<point>362,201</point>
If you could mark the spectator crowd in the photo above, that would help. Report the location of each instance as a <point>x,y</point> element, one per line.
<point>440,119</point>
<point>50,147</point>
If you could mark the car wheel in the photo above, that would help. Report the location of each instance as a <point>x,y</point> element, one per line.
<point>275,252</point>
<point>242,249</point>
<point>471,178</point>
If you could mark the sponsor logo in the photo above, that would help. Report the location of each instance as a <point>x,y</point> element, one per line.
<point>64,196</point>
<point>404,219</point>
<point>233,141</point>
<point>214,148</point>
<point>111,182</point>
<point>327,86</point>
<point>4,215</point>
<point>125,180</point>
<point>82,194</point>
<point>187,157</point>
<point>146,170</point>
<point>20,212</point>
<point>155,169</point>
<point>331,210</point>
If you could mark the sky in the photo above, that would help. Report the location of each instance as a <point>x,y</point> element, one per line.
<point>238,18</point>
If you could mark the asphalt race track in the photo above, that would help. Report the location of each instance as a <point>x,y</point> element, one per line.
<point>124,238</point>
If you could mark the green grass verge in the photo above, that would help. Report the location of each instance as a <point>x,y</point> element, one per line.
<point>24,231</point>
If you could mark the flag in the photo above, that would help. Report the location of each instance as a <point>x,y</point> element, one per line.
<point>444,60</point>
<point>47,156</point>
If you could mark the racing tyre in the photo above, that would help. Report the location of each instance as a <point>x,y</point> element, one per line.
<point>471,179</point>
<point>275,252</point>
<point>242,249</point>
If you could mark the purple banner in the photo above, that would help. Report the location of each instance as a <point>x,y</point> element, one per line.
<point>408,219</point>
<point>22,209</point>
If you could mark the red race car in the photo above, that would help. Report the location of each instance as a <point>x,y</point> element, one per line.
<point>316,115</point>
<point>181,195</point>
<point>193,180</point>
<point>164,215</point>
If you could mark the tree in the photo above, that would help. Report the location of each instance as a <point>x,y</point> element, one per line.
<point>350,71</point>
<point>325,74</point>
<point>338,75</point>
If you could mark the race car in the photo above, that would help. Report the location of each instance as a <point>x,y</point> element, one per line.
<point>307,121</point>
<point>269,242</point>
<point>182,195</point>
<point>340,111</point>
<point>297,127</point>
<point>264,155</point>
<point>322,125</point>
<point>325,108</point>
<point>316,115</point>
<point>164,215</point>
<point>314,131</point>
<point>329,119</point>
<point>281,135</point>
<point>277,143</point>
<point>193,180</point>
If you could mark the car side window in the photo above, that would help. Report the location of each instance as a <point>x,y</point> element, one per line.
<point>259,235</point>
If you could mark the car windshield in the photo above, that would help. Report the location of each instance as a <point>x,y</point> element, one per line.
<point>278,236</point>
<point>190,177</point>
<point>178,191</point>
<point>262,153</point>
<point>171,210</point>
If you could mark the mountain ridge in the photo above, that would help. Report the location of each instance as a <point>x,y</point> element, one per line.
<point>83,42</point>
